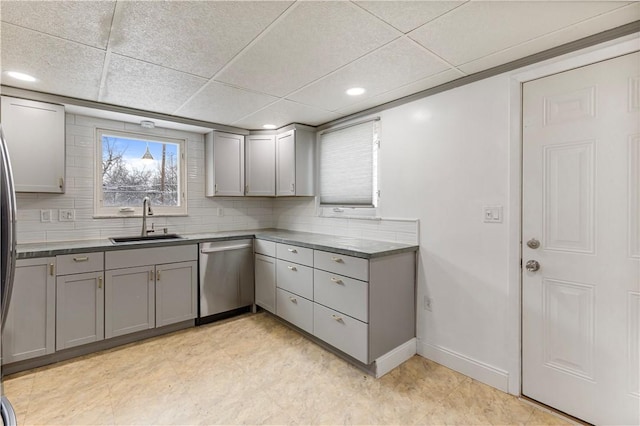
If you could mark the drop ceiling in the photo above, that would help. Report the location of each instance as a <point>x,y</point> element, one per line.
<point>246,64</point>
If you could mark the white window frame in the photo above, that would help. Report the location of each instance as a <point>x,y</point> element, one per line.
<point>354,211</point>
<point>101,211</point>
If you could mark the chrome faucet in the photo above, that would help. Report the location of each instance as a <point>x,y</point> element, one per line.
<point>146,211</point>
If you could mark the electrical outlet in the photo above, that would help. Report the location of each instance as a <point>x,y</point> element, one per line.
<point>45,216</point>
<point>67,215</point>
<point>428,303</point>
<point>492,214</point>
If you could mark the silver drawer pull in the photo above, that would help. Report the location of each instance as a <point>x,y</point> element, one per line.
<point>336,280</point>
<point>337,259</point>
<point>293,299</point>
<point>81,259</point>
<point>292,268</point>
<point>337,318</point>
<point>292,250</point>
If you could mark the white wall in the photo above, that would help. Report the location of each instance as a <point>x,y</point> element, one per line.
<point>239,213</point>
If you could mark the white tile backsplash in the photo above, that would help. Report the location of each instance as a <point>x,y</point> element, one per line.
<point>297,214</point>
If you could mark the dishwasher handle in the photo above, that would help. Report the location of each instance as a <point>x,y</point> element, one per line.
<point>226,248</point>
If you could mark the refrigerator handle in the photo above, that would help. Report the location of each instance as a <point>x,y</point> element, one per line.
<point>8,197</point>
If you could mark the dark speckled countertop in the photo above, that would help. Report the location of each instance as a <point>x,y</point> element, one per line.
<point>343,245</point>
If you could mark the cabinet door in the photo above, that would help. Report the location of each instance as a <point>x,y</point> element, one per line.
<point>79,309</point>
<point>260,162</point>
<point>225,164</point>
<point>176,292</point>
<point>36,143</point>
<point>265,277</point>
<point>30,324</point>
<point>129,300</point>
<point>286,164</point>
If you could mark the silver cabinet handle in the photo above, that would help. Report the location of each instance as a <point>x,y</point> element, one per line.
<point>336,280</point>
<point>81,259</point>
<point>292,268</point>
<point>293,299</point>
<point>337,259</point>
<point>150,275</point>
<point>158,276</point>
<point>99,282</point>
<point>292,250</point>
<point>337,318</point>
<point>52,269</point>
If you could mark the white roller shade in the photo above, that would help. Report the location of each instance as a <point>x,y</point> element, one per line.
<point>348,166</point>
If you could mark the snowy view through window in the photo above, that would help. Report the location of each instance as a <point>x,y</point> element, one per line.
<point>136,168</point>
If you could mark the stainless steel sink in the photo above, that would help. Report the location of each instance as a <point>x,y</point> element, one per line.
<point>138,238</point>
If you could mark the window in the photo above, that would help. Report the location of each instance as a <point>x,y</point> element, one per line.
<point>349,166</point>
<point>133,166</point>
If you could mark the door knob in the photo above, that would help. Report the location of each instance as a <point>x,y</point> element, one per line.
<point>532,265</point>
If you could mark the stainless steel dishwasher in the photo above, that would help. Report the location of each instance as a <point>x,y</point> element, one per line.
<point>226,278</point>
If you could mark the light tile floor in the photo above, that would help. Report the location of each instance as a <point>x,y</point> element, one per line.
<point>252,370</point>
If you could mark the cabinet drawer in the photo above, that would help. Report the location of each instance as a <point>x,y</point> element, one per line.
<point>343,294</point>
<point>341,331</point>
<point>301,255</point>
<point>150,256</point>
<point>295,278</point>
<point>80,263</point>
<point>295,309</point>
<point>268,248</point>
<point>354,267</point>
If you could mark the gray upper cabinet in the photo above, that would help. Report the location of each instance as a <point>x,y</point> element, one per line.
<point>295,163</point>
<point>35,134</point>
<point>260,163</point>
<point>30,325</point>
<point>79,299</point>
<point>224,153</point>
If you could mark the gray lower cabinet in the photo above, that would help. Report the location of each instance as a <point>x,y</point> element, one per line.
<point>265,282</point>
<point>30,325</point>
<point>151,287</point>
<point>129,300</point>
<point>79,299</point>
<point>79,309</point>
<point>176,292</point>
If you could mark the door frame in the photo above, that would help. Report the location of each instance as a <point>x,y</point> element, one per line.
<point>591,55</point>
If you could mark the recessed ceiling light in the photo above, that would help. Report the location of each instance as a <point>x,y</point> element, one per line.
<point>355,91</point>
<point>21,76</point>
<point>269,126</point>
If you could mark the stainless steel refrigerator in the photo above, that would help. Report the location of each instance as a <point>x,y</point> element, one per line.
<point>7,259</point>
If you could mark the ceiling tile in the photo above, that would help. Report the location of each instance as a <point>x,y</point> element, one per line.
<point>48,59</point>
<point>286,112</point>
<point>141,85</point>
<point>615,18</point>
<point>401,92</point>
<point>312,40</point>
<point>220,103</point>
<point>197,37</point>
<point>396,64</point>
<point>478,29</point>
<point>408,15</point>
<point>86,22</point>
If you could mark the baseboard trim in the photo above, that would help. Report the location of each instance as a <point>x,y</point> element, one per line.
<point>475,369</point>
<point>395,357</point>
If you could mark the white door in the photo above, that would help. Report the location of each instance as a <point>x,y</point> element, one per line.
<point>581,201</point>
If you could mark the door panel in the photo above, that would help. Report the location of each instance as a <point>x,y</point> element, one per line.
<point>580,199</point>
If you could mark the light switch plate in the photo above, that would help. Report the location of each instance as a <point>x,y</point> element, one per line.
<point>67,215</point>
<point>492,214</point>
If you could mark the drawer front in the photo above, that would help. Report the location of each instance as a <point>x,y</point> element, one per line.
<point>80,263</point>
<point>354,267</point>
<point>301,255</point>
<point>343,294</point>
<point>295,309</point>
<point>295,278</point>
<point>341,331</point>
<point>267,248</point>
